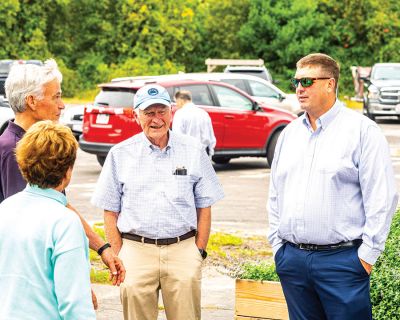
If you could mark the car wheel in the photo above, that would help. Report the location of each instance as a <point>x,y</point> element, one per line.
<point>271,147</point>
<point>367,113</point>
<point>221,160</point>
<point>372,117</point>
<point>101,159</point>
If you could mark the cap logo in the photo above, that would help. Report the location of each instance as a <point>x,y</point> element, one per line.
<point>152,92</point>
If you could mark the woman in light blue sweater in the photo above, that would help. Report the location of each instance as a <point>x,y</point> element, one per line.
<point>44,266</point>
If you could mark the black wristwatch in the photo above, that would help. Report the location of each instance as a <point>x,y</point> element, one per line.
<point>203,253</point>
<point>102,248</point>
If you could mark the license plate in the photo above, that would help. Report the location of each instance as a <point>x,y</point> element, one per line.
<point>102,118</point>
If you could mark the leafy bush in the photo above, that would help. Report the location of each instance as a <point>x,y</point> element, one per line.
<point>70,85</point>
<point>259,271</point>
<point>385,278</point>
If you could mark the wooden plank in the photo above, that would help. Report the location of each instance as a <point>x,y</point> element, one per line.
<point>264,300</point>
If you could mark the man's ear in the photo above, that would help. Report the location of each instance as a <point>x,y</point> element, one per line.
<point>331,85</point>
<point>31,102</point>
<point>136,117</point>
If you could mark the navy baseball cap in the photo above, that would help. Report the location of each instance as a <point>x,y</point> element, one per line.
<point>149,95</point>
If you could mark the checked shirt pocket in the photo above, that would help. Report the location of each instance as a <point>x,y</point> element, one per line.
<point>180,189</point>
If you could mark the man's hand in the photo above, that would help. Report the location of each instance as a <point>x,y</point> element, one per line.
<point>367,266</point>
<point>94,301</point>
<point>117,269</point>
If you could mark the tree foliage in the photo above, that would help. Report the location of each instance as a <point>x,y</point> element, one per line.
<point>95,40</point>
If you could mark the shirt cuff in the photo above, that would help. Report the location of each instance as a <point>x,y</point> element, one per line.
<point>367,254</point>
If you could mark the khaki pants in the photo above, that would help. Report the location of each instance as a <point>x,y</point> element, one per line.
<point>175,269</point>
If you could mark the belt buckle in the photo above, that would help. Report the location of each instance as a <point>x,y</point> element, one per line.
<point>179,239</point>
<point>302,247</point>
<point>142,240</point>
<point>156,242</point>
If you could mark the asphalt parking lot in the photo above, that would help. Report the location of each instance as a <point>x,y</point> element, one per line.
<point>245,182</point>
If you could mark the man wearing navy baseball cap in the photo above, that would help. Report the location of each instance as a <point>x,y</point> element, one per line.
<point>156,189</point>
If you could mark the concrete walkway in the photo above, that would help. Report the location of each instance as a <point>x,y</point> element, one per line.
<point>218,295</point>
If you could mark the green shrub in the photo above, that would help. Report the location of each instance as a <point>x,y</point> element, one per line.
<point>258,271</point>
<point>385,277</point>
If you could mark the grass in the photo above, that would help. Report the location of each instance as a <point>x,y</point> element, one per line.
<point>98,272</point>
<point>230,252</point>
<point>226,250</point>
<point>84,97</point>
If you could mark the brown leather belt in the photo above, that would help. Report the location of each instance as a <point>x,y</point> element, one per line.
<point>158,242</point>
<point>324,247</point>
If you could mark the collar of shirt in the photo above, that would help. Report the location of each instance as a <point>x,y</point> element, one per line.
<point>147,145</point>
<point>16,129</point>
<point>188,105</point>
<point>48,193</point>
<point>324,120</point>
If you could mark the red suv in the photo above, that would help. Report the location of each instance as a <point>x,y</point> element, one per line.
<point>242,126</point>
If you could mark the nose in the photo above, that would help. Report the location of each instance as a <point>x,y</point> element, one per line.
<point>157,119</point>
<point>61,105</point>
<point>300,88</point>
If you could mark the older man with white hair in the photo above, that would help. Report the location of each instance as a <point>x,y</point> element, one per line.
<point>156,189</point>
<point>34,93</point>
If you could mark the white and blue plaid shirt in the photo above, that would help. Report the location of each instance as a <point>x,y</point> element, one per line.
<point>138,182</point>
<point>333,184</point>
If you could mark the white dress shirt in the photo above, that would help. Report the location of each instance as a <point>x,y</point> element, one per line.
<point>333,184</point>
<point>195,122</point>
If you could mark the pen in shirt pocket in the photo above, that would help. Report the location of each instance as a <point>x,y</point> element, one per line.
<point>180,171</point>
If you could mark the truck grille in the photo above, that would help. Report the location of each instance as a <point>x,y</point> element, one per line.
<point>390,95</point>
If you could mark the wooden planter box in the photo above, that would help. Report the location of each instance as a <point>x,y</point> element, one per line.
<point>256,300</point>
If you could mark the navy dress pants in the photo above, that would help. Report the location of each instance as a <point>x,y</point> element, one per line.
<point>324,284</point>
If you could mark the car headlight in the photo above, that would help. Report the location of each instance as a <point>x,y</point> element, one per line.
<point>373,93</point>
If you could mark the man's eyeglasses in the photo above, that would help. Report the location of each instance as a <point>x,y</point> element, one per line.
<point>305,82</point>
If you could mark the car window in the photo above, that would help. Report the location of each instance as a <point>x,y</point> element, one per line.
<point>231,99</point>
<point>239,83</point>
<point>171,92</point>
<point>259,89</point>
<point>114,99</point>
<point>200,94</point>
<point>386,73</point>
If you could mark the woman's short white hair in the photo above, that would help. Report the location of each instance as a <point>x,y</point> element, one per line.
<point>28,80</point>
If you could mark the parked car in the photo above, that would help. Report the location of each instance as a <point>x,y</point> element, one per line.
<point>383,96</point>
<point>72,117</point>
<point>260,89</point>
<point>242,126</point>
<point>6,113</point>
<point>261,72</point>
<point>5,66</point>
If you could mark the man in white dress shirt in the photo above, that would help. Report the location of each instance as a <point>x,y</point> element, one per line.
<point>193,121</point>
<point>331,201</point>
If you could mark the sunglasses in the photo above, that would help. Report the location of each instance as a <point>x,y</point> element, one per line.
<point>305,82</point>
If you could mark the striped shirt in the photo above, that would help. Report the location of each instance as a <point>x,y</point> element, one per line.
<point>138,182</point>
<point>333,184</point>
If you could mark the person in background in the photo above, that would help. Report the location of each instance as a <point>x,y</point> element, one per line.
<point>331,200</point>
<point>44,265</point>
<point>34,94</point>
<point>193,121</point>
<point>157,189</point>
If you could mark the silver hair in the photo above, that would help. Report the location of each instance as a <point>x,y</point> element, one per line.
<point>28,80</point>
